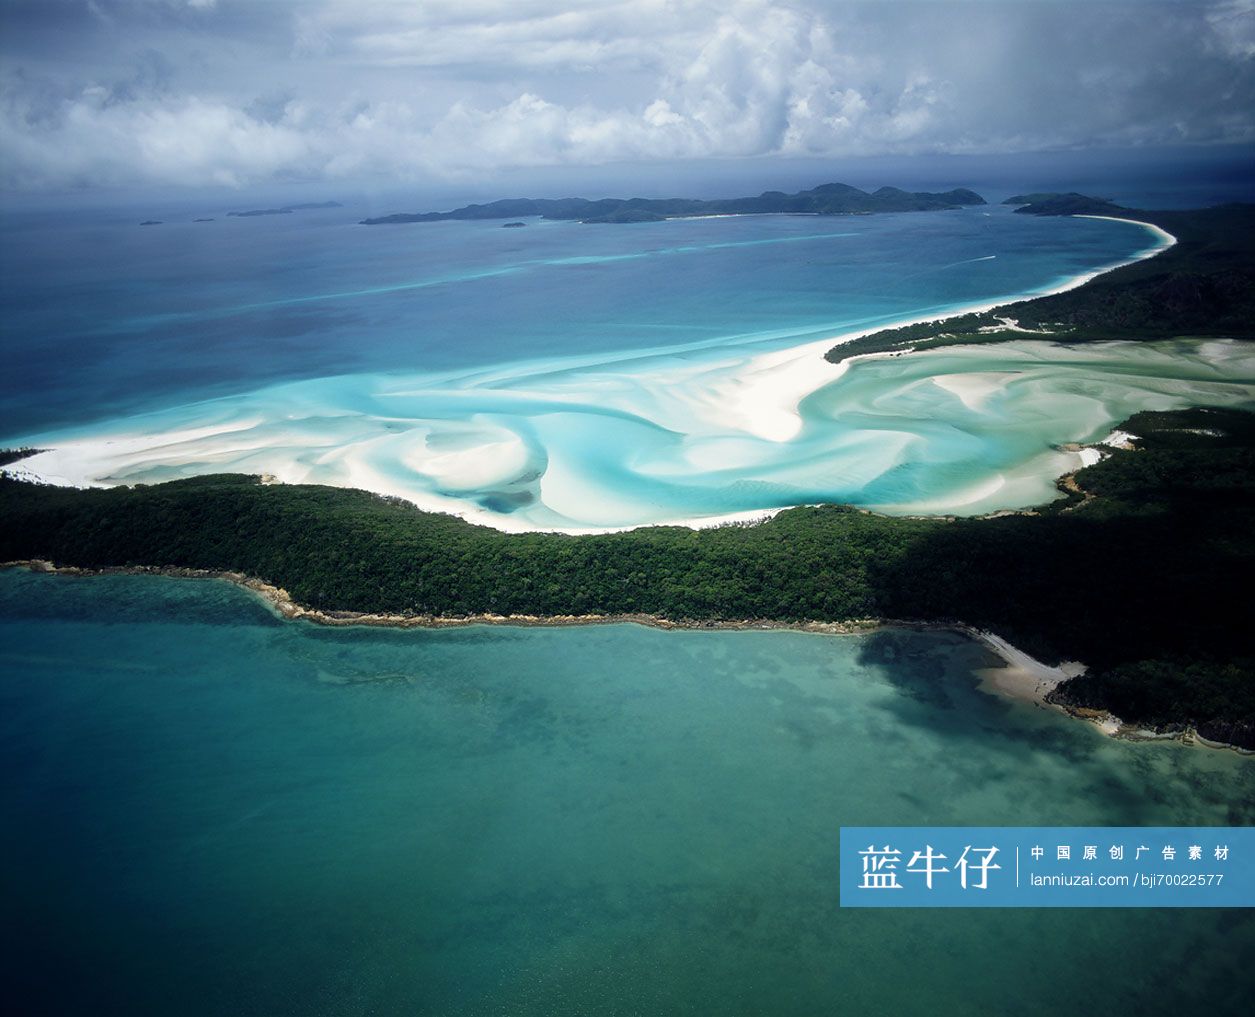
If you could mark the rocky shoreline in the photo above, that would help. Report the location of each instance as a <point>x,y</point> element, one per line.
<point>1029,680</point>
<point>283,604</point>
<point>1113,726</point>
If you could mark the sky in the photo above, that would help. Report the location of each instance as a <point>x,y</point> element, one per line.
<point>99,94</point>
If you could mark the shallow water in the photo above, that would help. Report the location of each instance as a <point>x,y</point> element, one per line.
<point>105,317</point>
<point>211,811</point>
<point>578,377</point>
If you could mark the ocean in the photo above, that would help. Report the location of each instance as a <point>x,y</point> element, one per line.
<point>208,810</point>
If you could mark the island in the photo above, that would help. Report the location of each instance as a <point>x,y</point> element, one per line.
<point>151,222</point>
<point>260,211</point>
<point>286,209</point>
<point>1083,203</point>
<point>1070,204</point>
<point>1028,199</point>
<point>827,199</point>
<point>512,225</point>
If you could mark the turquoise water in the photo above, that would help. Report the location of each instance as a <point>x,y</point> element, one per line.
<point>574,377</point>
<point>209,811</point>
<point>105,317</point>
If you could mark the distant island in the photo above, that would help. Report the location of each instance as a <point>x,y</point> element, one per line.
<point>286,209</point>
<point>512,225</point>
<point>1058,200</point>
<point>202,220</point>
<point>1070,203</point>
<point>827,199</point>
<point>151,222</point>
<point>1029,199</point>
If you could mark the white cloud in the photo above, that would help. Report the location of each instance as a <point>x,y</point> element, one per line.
<point>188,141</point>
<point>496,36</point>
<point>1234,24</point>
<point>448,87</point>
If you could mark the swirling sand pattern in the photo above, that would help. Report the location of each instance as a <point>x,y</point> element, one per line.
<point>686,437</point>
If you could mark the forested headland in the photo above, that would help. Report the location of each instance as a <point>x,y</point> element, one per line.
<point>1147,580</point>
<point>1202,286</point>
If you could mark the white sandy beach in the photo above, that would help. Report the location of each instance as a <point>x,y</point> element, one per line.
<point>1022,677</point>
<point>734,411</point>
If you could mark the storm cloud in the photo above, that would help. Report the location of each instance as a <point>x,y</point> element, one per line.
<point>226,92</point>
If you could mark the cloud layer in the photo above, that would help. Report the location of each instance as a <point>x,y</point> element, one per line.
<point>224,92</point>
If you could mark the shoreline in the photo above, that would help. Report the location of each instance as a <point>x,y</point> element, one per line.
<point>1021,679</point>
<point>759,395</point>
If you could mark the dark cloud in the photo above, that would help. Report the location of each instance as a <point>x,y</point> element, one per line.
<point>230,92</point>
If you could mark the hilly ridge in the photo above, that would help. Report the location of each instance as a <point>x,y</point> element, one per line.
<point>826,199</point>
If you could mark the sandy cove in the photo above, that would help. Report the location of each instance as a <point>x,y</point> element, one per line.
<point>1020,678</point>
